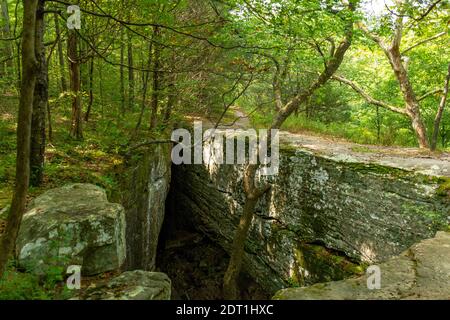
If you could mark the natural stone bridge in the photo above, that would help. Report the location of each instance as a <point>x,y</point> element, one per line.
<point>333,206</point>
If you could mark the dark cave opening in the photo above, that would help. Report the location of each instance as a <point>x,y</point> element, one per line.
<point>194,262</point>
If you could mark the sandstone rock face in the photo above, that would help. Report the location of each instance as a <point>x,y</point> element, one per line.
<point>144,189</point>
<point>72,225</point>
<point>421,272</point>
<point>353,212</point>
<point>132,285</point>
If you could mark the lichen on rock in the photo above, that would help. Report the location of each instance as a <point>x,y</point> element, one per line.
<point>131,285</point>
<point>72,225</point>
<point>421,272</point>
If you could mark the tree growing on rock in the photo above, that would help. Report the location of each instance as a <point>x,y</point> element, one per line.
<point>341,15</point>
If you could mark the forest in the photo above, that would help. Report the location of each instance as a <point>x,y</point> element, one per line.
<point>88,85</point>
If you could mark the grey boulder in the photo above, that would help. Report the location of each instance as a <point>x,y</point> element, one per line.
<point>72,225</point>
<point>132,285</point>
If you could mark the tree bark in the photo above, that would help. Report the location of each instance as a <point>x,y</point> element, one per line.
<point>91,90</point>
<point>18,204</point>
<point>100,84</point>
<point>7,34</point>
<point>62,67</point>
<point>279,78</point>
<point>131,83</point>
<point>145,87</point>
<point>411,101</point>
<point>19,64</point>
<point>40,100</point>
<point>170,98</point>
<point>378,123</point>
<point>440,112</point>
<point>76,130</point>
<point>230,287</point>
<point>49,120</point>
<point>122,75</point>
<point>156,74</point>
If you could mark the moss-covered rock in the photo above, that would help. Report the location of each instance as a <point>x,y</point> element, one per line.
<point>421,272</point>
<point>315,263</point>
<point>72,225</point>
<point>144,187</point>
<point>132,285</point>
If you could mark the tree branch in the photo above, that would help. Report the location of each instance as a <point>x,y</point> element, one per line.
<point>375,38</point>
<point>367,97</point>
<point>177,30</point>
<point>436,36</point>
<point>423,15</point>
<point>147,143</point>
<point>332,66</point>
<point>433,92</point>
<point>398,30</point>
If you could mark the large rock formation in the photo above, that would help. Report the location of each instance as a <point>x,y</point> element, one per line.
<point>144,188</point>
<point>132,285</point>
<point>421,272</point>
<point>72,225</point>
<point>324,215</point>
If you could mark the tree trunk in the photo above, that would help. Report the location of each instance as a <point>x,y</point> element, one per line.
<point>18,204</point>
<point>378,124</point>
<point>145,88</point>
<point>437,120</point>
<point>230,288</point>
<point>412,104</point>
<point>122,75</point>
<point>443,133</point>
<point>62,67</point>
<point>91,89</point>
<point>418,126</point>
<point>19,64</point>
<point>76,130</point>
<point>6,20</point>
<point>49,120</point>
<point>170,98</point>
<point>40,100</point>
<point>7,34</point>
<point>130,74</point>
<point>100,85</point>
<point>156,74</point>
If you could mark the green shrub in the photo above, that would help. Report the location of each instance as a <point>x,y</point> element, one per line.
<point>22,286</point>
